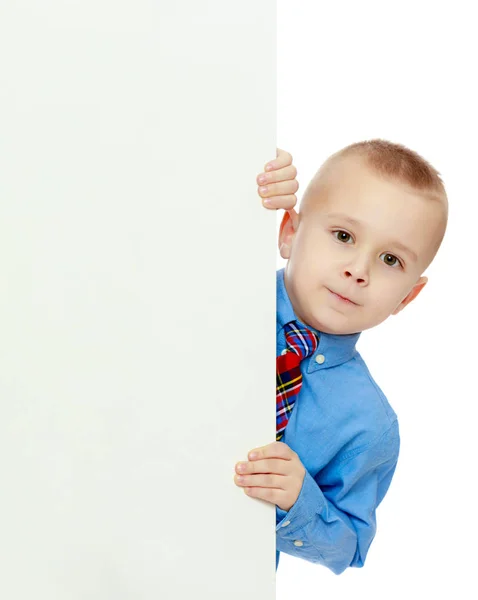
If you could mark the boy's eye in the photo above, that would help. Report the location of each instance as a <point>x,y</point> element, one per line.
<point>390,260</point>
<point>343,236</point>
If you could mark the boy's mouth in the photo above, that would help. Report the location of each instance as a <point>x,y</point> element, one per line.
<point>343,298</point>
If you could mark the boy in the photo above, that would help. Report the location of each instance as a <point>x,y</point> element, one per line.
<point>370,223</point>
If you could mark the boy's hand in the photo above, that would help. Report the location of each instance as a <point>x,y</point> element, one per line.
<point>274,473</point>
<point>278,184</point>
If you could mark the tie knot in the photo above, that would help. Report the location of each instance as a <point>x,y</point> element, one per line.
<point>300,340</point>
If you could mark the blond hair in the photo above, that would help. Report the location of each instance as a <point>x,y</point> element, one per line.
<point>397,162</point>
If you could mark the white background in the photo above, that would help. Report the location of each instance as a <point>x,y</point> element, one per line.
<point>137,292</point>
<point>349,71</point>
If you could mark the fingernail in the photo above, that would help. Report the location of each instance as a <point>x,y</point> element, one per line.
<point>270,166</point>
<point>267,202</point>
<point>253,455</point>
<point>240,479</point>
<point>241,467</point>
<point>263,190</point>
<point>262,179</point>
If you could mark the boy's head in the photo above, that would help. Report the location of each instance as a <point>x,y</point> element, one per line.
<point>370,223</point>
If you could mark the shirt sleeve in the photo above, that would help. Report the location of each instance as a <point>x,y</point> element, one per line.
<point>334,526</point>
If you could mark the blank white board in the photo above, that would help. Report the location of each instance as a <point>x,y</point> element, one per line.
<point>137,297</point>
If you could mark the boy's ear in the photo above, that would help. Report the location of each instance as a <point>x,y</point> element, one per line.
<point>417,288</point>
<point>288,228</point>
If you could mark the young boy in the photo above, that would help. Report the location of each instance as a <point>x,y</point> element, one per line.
<point>370,223</point>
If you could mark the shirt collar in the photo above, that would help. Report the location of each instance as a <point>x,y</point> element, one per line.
<point>336,349</point>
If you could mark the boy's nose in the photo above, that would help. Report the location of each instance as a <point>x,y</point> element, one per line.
<point>359,273</point>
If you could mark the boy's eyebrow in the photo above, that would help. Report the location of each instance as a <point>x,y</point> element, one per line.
<point>345,217</point>
<point>406,249</point>
<point>356,223</point>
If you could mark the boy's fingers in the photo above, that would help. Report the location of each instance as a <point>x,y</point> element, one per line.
<point>274,450</point>
<point>264,480</point>
<point>283,159</point>
<point>284,188</point>
<point>287,173</point>
<point>284,202</point>
<point>271,465</point>
<point>272,495</point>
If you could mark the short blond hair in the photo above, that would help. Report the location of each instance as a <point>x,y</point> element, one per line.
<point>393,161</point>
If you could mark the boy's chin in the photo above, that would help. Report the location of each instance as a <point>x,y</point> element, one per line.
<point>336,325</point>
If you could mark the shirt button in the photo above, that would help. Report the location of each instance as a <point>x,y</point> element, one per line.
<point>320,358</point>
<point>298,543</point>
<point>285,524</point>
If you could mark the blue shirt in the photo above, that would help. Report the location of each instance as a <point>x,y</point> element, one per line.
<point>346,435</point>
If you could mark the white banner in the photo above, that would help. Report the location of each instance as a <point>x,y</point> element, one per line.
<point>137,296</point>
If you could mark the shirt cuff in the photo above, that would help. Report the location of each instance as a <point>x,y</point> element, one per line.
<point>309,503</point>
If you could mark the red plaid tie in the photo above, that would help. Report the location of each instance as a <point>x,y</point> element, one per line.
<point>301,342</point>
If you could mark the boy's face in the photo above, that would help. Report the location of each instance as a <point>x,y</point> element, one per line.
<point>357,251</point>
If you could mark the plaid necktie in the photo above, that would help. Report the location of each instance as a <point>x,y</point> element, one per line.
<point>301,342</point>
